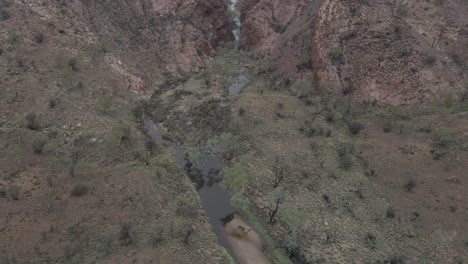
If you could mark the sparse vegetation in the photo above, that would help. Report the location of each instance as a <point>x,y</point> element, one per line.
<point>4,15</point>
<point>336,54</point>
<point>430,60</point>
<point>119,134</point>
<point>345,154</point>
<point>388,126</point>
<point>13,192</point>
<point>409,185</point>
<point>32,122</point>
<point>38,145</point>
<point>127,234</point>
<point>73,64</point>
<point>401,9</point>
<point>355,127</point>
<point>275,199</point>
<point>79,190</point>
<point>13,38</point>
<point>443,137</point>
<point>39,37</point>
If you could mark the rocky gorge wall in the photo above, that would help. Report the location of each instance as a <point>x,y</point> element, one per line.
<point>143,40</point>
<point>384,52</point>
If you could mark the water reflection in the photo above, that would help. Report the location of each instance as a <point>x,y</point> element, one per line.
<point>215,199</point>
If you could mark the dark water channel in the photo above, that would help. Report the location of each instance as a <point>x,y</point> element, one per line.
<point>215,199</point>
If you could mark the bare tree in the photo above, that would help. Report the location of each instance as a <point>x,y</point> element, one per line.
<point>279,172</point>
<point>275,199</point>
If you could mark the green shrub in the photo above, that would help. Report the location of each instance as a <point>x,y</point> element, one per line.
<point>13,192</point>
<point>39,37</point>
<point>157,237</point>
<point>52,133</point>
<point>355,127</point>
<point>50,147</point>
<point>401,9</point>
<point>388,126</point>
<point>38,145</point>
<point>450,100</point>
<point>120,133</point>
<point>13,38</point>
<point>390,212</point>
<point>127,234</point>
<point>302,88</point>
<point>280,28</point>
<point>79,190</point>
<point>105,104</point>
<point>4,15</point>
<point>336,54</point>
<point>72,63</point>
<point>31,121</point>
<point>430,60</point>
<point>409,185</point>
<point>330,117</point>
<point>443,137</point>
<point>345,154</point>
<point>52,103</point>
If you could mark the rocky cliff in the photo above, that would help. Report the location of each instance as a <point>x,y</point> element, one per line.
<point>385,52</point>
<point>142,40</point>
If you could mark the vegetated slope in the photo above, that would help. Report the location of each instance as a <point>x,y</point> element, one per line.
<point>376,183</point>
<point>387,52</point>
<point>78,182</point>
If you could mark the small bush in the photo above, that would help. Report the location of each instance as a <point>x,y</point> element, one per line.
<point>31,121</point>
<point>330,117</point>
<point>79,190</point>
<point>127,234</point>
<point>39,37</point>
<point>72,63</point>
<point>52,103</point>
<point>390,212</point>
<point>13,192</point>
<point>4,15</point>
<point>157,237</point>
<point>241,111</point>
<point>280,28</point>
<point>336,54</point>
<point>443,137</point>
<point>371,241</point>
<point>355,127</point>
<point>50,147</point>
<point>13,38</point>
<point>388,127</point>
<point>120,133</point>
<point>410,185</point>
<point>345,151</point>
<point>414,216</point>
<point>430,60</point>
<point>38,145</point>
<point>52,133</point>
<point>402,9</point>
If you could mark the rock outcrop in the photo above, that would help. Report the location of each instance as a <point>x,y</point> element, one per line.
<point>384,52</point>
<point>150,38</point>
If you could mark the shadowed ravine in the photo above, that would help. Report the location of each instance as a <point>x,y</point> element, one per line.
<point>244,247</point>
<point>215,199</point>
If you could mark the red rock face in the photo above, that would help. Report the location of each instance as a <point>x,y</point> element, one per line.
<point>150,37</point>
<point>212,12</point>
<point>386,52</point>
